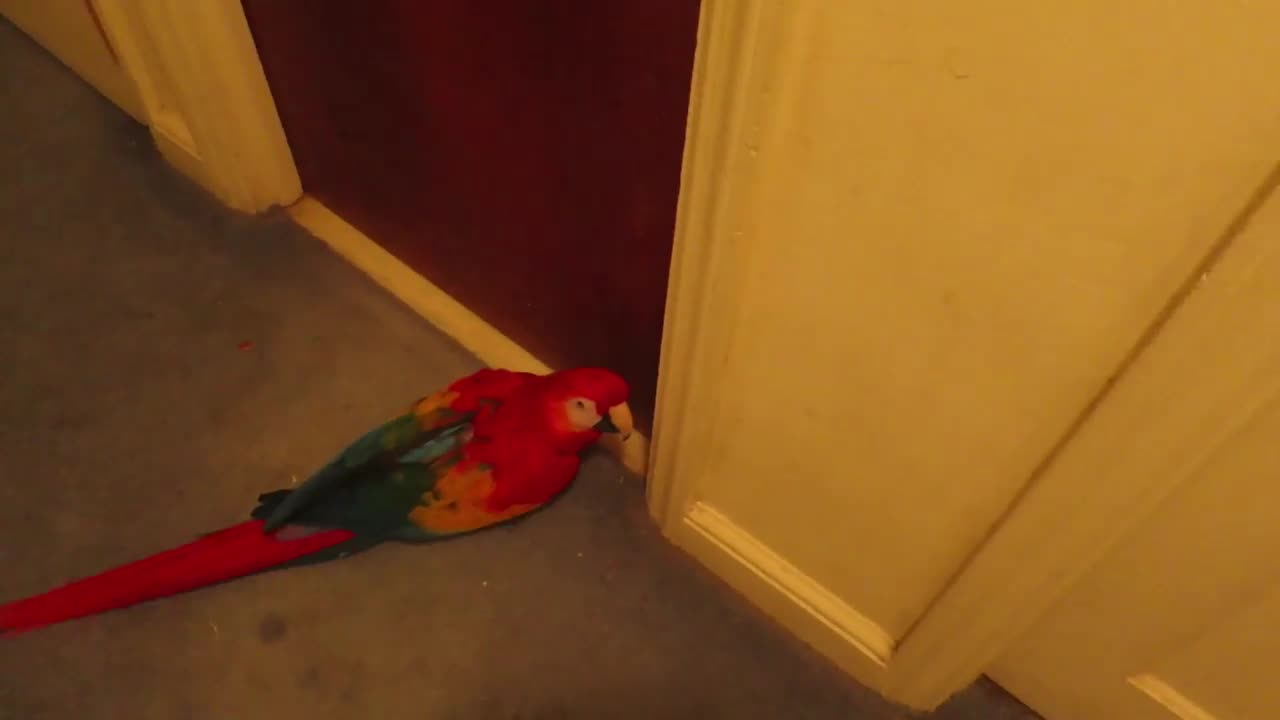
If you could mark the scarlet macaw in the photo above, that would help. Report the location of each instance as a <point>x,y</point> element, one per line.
<point>491,447</point>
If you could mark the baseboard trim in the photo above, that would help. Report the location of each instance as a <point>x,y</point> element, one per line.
<point>439,308</point>
<point>800,603</point>
<point>1175,702</point>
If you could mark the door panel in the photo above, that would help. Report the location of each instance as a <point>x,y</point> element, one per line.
<point>1229,672</point>
<point>954,222</point>
<point>1180,619</point>
<point>71,31</point>
<point>524,156</point>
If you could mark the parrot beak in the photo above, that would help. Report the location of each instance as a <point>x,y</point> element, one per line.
<point>618,420</point>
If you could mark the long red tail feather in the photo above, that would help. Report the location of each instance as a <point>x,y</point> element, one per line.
<point>223,555</point>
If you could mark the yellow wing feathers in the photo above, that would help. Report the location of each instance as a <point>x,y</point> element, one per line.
<point>434,402</point>
<point>458,502</point>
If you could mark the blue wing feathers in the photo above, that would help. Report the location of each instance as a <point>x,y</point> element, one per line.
<point>399,441</point>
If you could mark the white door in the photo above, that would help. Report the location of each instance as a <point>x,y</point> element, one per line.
<point>72,31</point>
<point>919,243</point>
<point>1181,618</point>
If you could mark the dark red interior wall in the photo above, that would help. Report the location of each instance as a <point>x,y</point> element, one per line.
<point>524,155</point>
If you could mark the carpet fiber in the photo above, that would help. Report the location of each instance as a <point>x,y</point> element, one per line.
<point>165,360</point>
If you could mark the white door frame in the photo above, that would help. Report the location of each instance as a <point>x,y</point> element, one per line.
<point>216,120</point>
<point>206,97</point>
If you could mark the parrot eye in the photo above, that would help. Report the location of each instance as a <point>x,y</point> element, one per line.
<point>581,411</point>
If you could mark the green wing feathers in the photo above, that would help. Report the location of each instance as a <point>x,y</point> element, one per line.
<point>403,479</point>
<point>375,506</point>
<point>409,438</point>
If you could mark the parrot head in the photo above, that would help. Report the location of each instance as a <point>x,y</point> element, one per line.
<point>590,400</point>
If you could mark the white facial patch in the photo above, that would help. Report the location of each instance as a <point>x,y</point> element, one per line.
<point>582,413</point>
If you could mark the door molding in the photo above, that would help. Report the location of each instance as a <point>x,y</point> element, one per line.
<point>740,42</point>
<point>1072,509</point>
<point>206,97</point>
<point>707,260</point>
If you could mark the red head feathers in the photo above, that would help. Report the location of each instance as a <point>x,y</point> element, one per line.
<point>576,405</point>
<point>603,387</point>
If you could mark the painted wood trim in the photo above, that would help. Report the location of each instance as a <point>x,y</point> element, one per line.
<point>738,40</point>
<point>122,23</point>
<point>1195,378</point>
<point>102,31</point>
<point>707,258</point>
<point>1178,705</point>
<point>819,616</point>
<point>206,96</point>
<point>439,308</point>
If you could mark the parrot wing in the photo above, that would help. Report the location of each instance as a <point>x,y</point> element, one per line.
<point>497,481</point>
<point>374,503</point>
<point>429,429</point>
<point>434,426</point>
<point>417,436</point>
<point>410,501</point>
<point>501,479</point>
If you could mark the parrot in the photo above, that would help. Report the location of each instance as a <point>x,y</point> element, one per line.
<point>489,448</point>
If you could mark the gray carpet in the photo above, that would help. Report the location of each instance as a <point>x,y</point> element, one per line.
<point>133,419</point>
